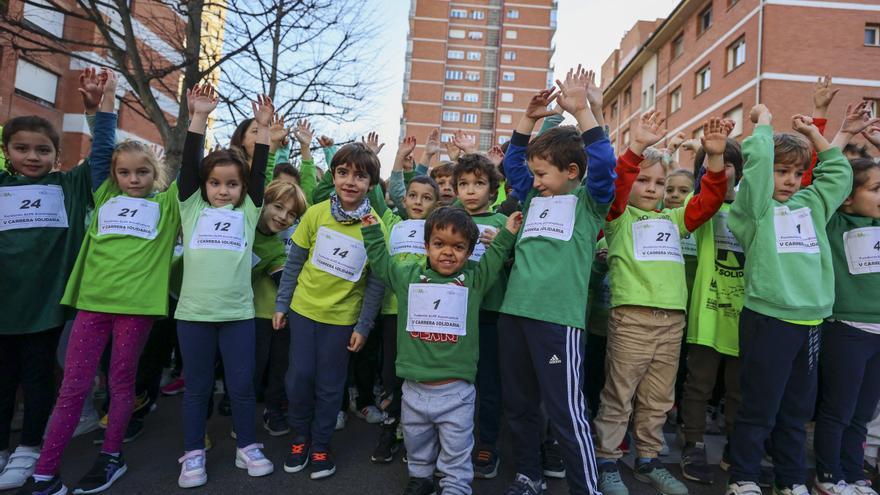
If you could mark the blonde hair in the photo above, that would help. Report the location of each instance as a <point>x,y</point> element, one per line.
<point>284,191</point>
<point>132,146</point>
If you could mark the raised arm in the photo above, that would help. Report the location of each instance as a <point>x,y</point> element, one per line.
<point>204,101</point>
<point>704,205</point>
<point>263,113</point>
<point>647,132</point>
<point>515,169</point>
<point>104,133</point>
<point>755,193</point>
<point>491,264</point>
<point>823,94</point>
<point>396,183</point>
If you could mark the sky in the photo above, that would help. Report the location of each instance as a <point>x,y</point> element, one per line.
<point>587,32</point>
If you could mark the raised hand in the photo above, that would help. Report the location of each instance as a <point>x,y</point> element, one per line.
<point>264,110</point>
<point>514,222</point>
<point>872,134</point>
<point>204,99</point>
<point>573,91</point>
<point>406,147</point>
<point>372,142</point>
<point>675,142</point>
<point>823,93</point>
<point>452,150</point>
<point>466,142</point>
<point>325,141</point>
<point>594,93</point>
<point>303,132</point>
<point>648,131</point>
<point>760,114</point>
<point>90,89</point>
<point>495,155</point>
<point>857,119</point>
<point>715,133</point>
<point>537,108</point>
<point>803,125</point>
<point>278,134</point>
<point>433,145</point>
<point>369,219</point>
<point>108,101</point>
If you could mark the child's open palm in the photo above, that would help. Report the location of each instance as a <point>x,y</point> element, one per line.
<point>406,147</point>
<point>264,110</point>
<point>432,145</point>
<point>573,91</point>
<point>304,132</point>
<point>823,93</point>
<point>715,133</point>
<point>277,132</point>
<point>495,155</point>
<point>537,108</point>
<point>857,119</point>
<point>90,88</point>
<point>372,142</point>
<point>649,129</point>
<point>467,143</point>
<point>594,92</point>
<point>204,99</point>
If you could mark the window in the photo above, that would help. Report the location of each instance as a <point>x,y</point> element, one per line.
<point>458,14</point>
<point>48,20</point>
<point>478,15</point>
<point>503,139</point>
<point>472,75</point>
<point>627,96</point>
<point>449,116</point>
<point>704,20</point>
<point>455,75</point>
<point>675,100</point>
<point>474,55</point>
<point>35,82</point>
<point>507,97</point>
<point>872,35</point>
<point>469,118</point>
<point>457,34</point>
<point>736,115</point>
<point>736,54</point>
<point>678,46</point>
<point>505,118</point>
<point>452,96</point>
<point>445,137</point>
<point>508,76</point>
<point>509,55</point>
<point>455,54</point>
<point>472,97</point>
<point>513,13</point>
<point>648,97</point>
<point>475,35</point>
<point>510,34</point>
<point>704,79</point>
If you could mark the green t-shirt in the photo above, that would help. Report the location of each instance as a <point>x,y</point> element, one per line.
<point>495,296</point>
<point>430,302</point>
<point>42,226</point>
<point>406,243</point>
<point>124,264</point>
<point>553,256</point>
<point>855,253</point>
<point>330,288</point>
<point>217,254</point>
<point>645,260</point>
<point>268,257</point>
<point>719,287</point>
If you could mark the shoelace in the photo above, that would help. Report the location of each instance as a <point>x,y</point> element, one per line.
<point>319,456</point>
<point>612,477</point>
<point>484,455</point>
<point>297,448</point>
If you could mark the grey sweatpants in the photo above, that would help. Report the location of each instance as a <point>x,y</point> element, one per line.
<point>438,429</point>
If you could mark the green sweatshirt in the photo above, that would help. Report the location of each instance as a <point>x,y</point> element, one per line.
<point>788,272</point>
<point>855,253</point>
<point>426,356</point>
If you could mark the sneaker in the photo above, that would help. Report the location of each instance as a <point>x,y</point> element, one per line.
<point>551,460</point>
<point>420,486</point>
<point>252,459</point>
<point>192,469</point>
<point>50,487</point>
<point>743,488</point>
<point>105,471</point>
<point>173,388</point>
<point>790,490</point>
<point>134,429</point>
<point>4,458</point>
<point>486,463</point>
<point>19,468</point>
<point>839,488</point>
<point>388,444</point>
<point>862,487</point>
<point>340,420</point>
<point>88,422</point>
<point>371,414</point>
<point>523,485</point>
<point>298,457</point>
<point>224,408</point>
<point>660,478</point>
<point>694,465</point>
<point>275,422</point>
<point>610,482</point>
<point>322,465</point>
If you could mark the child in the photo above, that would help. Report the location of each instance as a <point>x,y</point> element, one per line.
<point>442,175</point>
<point>333,301</point>
<point>406,244</point>
<point>679,183</point>
<point>648,302</point>
<point>476,182</point>
<point>541,352</point>
<point>219,211</point>
<point>782,231</point>
<point>437,345</point>
<point>42,226</point>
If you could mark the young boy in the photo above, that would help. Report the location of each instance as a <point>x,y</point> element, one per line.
<point>476,181</point>
<point>544,308</point>
<point>437,342</point>
<point>442,175</point>
<point>782,231</point>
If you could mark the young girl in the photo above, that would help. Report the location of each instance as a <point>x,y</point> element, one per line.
<point>42,226</point>
<point>850,358</point>
<point>679,183</point>
<point>332,303</point>
<point>219,210</point>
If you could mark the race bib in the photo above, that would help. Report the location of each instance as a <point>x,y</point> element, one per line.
<point>724,238</point>
<point>480,248</point>
<point>437,308</point>
<point>339,255</point>
<point>656,239</point>
<point>551,217</point>
<point>286,237</point>
<point>219,228</point>
<point>794,231</point>
<point>408,237</point>
<point>28,207</point>
<point>689,245</point>
<point>129,216</point>
<point>862,247</point>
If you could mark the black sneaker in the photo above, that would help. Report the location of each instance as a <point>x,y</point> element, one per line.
<point>298,457</point>
<point>694,465</point>
<point>322,465</point>
<point>551,460</point>
<point>224,408</point>
<point>275,422</point>
<point>420,486</point>
<point>388,444</point>
<point>486,463</point>
<point>51,487</point>
<point>522,485</point>
<point>105,471</point>
<point>134,429</point>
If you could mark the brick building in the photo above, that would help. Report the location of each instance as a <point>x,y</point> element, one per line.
<point>473,65</point>
<point>721,57</point>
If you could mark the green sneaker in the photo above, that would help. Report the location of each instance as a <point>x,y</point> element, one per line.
<point>660,478</point>
<point>609,480</point>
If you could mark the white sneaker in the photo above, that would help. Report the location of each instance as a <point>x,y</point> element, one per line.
<point>743,488</point>
<point>793,490</point>
<point>863,487</point>
<point>19,467</point>
<point>4,458</point>
<point>192,469</point>
<point>252,459</point>
<point>340,420</point>
<point>839,488</point>
<point>88,422</point>
<point>371,414</point>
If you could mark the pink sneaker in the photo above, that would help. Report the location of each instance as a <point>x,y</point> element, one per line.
<point>192,469</point>
<point>173,388</point>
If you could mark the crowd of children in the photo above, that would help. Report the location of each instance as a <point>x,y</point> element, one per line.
<point>584,296</point>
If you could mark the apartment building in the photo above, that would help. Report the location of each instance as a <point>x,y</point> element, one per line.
<point>473,65</point>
